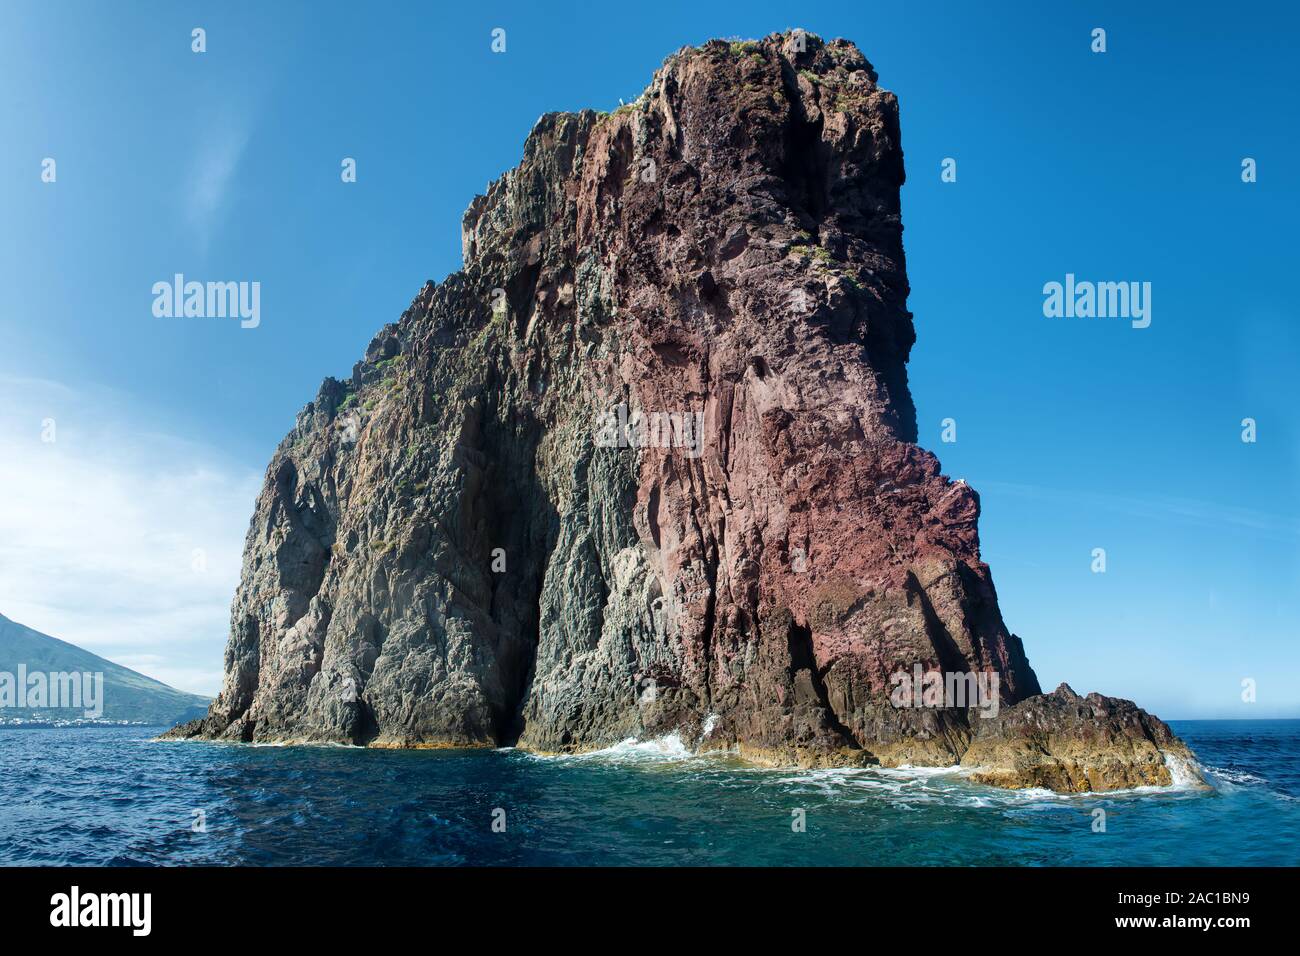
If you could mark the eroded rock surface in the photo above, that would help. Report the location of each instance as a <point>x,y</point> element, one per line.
<point>1069,743</point>
<point>447,552</point>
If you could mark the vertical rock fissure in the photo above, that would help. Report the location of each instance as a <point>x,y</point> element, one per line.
<point>522,524</point>
<point>803,657</point>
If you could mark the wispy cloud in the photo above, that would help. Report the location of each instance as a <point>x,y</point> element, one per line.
<point>123,540</point>
<point>218,152</point>
<point>1166,507</point>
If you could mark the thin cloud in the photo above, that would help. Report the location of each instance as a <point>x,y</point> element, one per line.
<point>1165,507</point>
<point>217,157</point>
<point>125,542</point>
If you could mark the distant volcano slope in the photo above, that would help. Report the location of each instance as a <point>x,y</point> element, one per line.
<point>127,695</point>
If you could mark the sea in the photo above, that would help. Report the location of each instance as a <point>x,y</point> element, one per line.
<point>115,796</point>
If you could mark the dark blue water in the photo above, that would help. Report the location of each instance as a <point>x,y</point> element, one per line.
<point>112,796</point>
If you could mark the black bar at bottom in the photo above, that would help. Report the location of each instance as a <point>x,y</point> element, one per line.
<point>336,906</point>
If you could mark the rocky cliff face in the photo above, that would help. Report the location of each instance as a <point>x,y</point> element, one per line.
<point>648,465</point>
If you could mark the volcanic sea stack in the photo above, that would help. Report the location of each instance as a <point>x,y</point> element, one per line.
<point>648,464</point>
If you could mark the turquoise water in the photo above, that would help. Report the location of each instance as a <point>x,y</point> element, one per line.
<point>112,796</point>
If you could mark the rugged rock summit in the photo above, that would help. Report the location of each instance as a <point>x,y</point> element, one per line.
<point>456,548</point>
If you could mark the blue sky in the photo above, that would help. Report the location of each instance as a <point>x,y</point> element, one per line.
<point>124,534</point>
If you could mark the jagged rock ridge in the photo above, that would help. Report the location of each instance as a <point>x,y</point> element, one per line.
<point>445,552</point>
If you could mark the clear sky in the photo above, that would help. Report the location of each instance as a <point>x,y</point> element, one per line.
<point>124,534</point>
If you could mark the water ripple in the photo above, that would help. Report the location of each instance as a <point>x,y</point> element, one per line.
<point>111,796</point>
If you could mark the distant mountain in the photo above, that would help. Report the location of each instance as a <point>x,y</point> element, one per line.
<point>127,695</point>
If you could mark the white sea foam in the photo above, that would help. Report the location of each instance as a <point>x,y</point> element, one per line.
<point>668,748</point>
<point>904,788</point>
<point>1182,771</point>
<point>899,785</point>
<point>908,771</point>
<point>1238,777</point>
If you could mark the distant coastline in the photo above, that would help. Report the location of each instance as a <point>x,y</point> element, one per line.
<point>20,723</point>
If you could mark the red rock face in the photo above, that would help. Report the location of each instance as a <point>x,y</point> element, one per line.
<point>454,548</point>
<point>759,279</point>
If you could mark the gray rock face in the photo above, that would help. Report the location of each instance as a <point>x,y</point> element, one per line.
<point>453,548</point>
